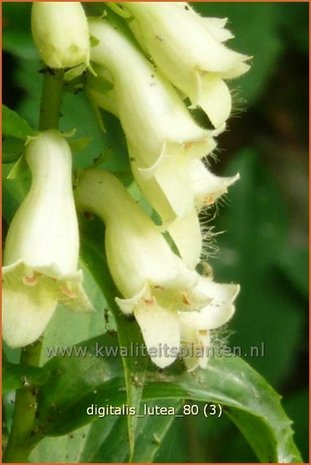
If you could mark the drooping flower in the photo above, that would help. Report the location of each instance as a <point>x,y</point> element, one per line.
<point>60,32</point>
<point>164,142</point>
<point>196,326</point>
<point>156,123</point>
<point>189,51</point>
<point>180,185</point>
<point>156,285</point>
<point>42,246</point>
<point>170,175</point>
<point>178,192</point>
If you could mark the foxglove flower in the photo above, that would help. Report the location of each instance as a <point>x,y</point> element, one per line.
<point>163,140</point>
<point>190,52</point>
<point>42,246</point>
<point>60,32</point>
<point>166,190</point>
<point>156,285</point>
<point>156,122</point>
<point>179,208</point>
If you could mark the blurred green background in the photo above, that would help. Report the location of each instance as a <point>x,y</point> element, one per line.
<point>264,218</point>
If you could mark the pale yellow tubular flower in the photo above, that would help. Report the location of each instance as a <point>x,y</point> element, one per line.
<point>42,246</point>
<point>137,253</point>
<point>60,32</point>
<point>180,185</point>
<point>189,51</point>
<point>174,183</point>
<point>155,283</point>
<point>195,326</point>
<point>156,123</point>
<point>188,187</point>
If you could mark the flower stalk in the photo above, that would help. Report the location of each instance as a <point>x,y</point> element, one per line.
<point>51,98</point>
<point>60,33</point>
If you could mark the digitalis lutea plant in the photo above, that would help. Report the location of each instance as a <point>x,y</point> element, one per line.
<point>166,147</point>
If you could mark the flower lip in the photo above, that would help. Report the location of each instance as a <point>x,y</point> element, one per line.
<point>190,52</point>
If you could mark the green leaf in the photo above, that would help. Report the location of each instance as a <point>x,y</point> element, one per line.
<point>90,377</point>
<point>106,435</point>
<point>14,125</point>
<point>100,441</point>
<point>296,403</point>
<point>245,396</point>
<point>61,449</point>
<point>79,378</point>
<point>17,376</point>
<point>151,431</point>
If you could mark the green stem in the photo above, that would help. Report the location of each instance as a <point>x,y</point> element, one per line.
<point>23,436</point>
<point>51,99</point>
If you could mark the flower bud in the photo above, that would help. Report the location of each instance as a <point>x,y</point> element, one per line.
<point>42,246</point>
<point>189,51</point>
<point>60,32</point>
